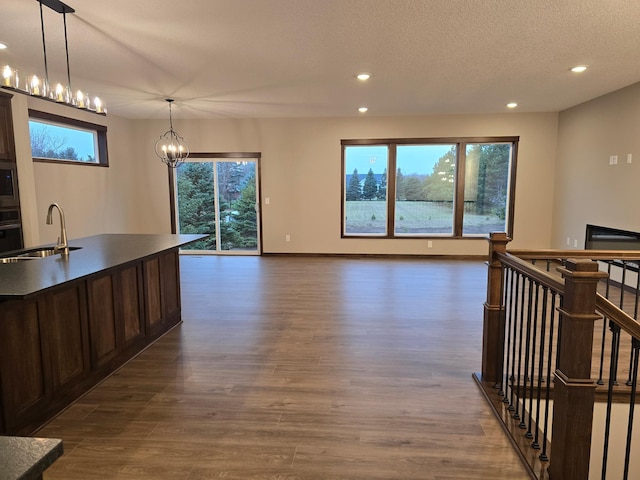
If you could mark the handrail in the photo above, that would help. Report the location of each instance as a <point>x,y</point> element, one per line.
<point>513,258</point>
<point>621,318</point>
<point>592,254</point>
<point>530,270</point>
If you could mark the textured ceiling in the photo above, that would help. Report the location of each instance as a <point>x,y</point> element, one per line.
<point>297,58</point>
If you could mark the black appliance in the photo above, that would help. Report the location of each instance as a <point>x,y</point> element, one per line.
<point>10,230</point>
<point>8,185</point>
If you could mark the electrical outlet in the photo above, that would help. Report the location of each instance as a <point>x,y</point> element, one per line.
<point>287,238</point>
<point>429,244</point>
<point>629,158</point>
<point>568,242</point>
<point>267,200</point>
<point>575,243</point>
<point>613,160</point>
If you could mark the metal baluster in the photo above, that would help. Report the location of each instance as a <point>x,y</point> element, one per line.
<point>500,361</point>
<point>543,456</point>
<point>527,349</point>
<point>516,415</point>
<point>506,281</point>
<point>635,308</point>
<point>533,356</point>
<point>602,343</point>
<point>635,346</point>
<point>543,332</point>
<point>615,351</point>
<point>513,347</point>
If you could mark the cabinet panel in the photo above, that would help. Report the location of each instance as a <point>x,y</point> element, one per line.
<point>67,329</point>
<point>102,319</point>
<point>169,281</point>
<point>22,369</point>
<point>130,297</point>
<point>152,292</point>
<point>162,291</point>
<point>7,149</point>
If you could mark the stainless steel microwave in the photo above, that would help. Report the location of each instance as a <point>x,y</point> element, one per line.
<point>8,185</point>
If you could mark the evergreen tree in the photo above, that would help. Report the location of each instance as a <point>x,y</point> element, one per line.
<point>246,218</point>
<point>196,202</point>
<point>493,173</point>
<point>400,184</point>
<point>413,190</point>
<point>354,190</point>
<point>370,188</point>
<point>231,179</point>
<point>440,184</point>
<point>382,188</point>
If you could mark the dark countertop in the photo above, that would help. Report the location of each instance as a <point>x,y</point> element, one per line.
<point>25,458</point>
<point>98,253</point>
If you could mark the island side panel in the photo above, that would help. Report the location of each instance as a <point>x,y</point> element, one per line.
<point>24,380</point>
<point>60,343</point>
<point>162,292</point>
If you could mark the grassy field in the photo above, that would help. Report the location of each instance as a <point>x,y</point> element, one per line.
<point>415,217</point>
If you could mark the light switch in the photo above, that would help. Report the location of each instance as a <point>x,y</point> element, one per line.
<point>613,160</point>
<point>267,200</point>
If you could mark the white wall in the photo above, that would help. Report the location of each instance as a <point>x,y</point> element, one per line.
<point>300,173</point>
<point>588,188</point>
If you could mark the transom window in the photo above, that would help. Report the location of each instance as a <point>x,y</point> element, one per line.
<point>60,139</point>
<point>457,187</point>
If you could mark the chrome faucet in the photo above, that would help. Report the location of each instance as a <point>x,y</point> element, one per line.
<point>62,239</point>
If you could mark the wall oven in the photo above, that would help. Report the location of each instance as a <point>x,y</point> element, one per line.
<point>8,185</point>
<point>10,230</point>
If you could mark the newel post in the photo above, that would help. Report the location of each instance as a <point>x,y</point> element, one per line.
<point>493,327</point>
<point>574,390</point>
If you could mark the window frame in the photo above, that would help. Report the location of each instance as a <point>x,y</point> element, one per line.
<point>101,137</point>
<point>458,201</point>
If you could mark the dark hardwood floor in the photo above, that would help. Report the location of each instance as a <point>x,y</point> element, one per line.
<point>295,368</point>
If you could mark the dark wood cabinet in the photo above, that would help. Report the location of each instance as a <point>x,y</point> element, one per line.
<point>10,218</point>
<point>65,329</point>
<point>7,146</point>
<point>115,313</point>
<point>24,378</point>
<point>61,343</point>
<point>162,291</point>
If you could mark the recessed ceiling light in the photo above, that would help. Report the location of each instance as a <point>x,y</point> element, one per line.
<point>363,109</point>
<point>3,46</point>
<point>512,105</point>
<point>579,69</point>
<point>363,76</point>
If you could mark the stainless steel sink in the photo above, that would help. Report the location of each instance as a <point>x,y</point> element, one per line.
<point>45,252</point>
<point>15,259</point>
<point>34,254</point>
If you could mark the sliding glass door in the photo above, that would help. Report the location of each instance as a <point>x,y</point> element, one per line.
<point>219,197</point>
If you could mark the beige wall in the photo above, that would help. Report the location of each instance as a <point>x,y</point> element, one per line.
<point>588,188</point>
<point>300,173</point>
<point>95,199</point>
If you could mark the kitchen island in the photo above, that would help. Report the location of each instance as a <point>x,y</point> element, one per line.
<point>67,322</point>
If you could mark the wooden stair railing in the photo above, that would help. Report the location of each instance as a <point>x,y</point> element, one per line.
<point>576,283</point>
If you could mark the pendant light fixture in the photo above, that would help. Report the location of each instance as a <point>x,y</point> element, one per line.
<point>171,147</point>
<point>40,87</point>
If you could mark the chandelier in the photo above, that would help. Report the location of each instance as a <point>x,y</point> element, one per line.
<point>40,87</point>
<point>171,147</point>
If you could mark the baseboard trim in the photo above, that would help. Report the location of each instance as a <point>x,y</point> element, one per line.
<point>378,255</point>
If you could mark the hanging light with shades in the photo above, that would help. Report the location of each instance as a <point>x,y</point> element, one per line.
<point>171,147</point>
<point>40,87</point>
